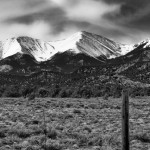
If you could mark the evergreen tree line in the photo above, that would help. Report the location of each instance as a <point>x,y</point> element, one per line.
<point>86,91</point>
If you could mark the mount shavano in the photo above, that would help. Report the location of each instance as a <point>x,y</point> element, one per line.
<point>79,43</point>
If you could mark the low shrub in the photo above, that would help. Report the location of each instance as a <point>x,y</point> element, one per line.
<point>43,92</point>
<point>31,96</point>
<point>12,91</point>
<point>52,133</point>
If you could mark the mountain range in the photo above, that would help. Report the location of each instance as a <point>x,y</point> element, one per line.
<point>82,42</point>
<point>80,54</point>
<point>80,49</point>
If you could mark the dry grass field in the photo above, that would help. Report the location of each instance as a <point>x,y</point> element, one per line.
<point>71,124</point>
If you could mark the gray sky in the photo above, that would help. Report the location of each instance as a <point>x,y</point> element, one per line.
<point>125,21</point>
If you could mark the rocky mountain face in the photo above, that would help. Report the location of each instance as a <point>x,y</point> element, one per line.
<point>25,55</point>
<point>80,49</point>
<point>39,50</point>
<point>92,45</point>
<point>84,62</point>
<point>84,65</point>
<point>82,42</point>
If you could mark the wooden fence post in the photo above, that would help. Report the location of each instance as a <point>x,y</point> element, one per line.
<point>125,120</point>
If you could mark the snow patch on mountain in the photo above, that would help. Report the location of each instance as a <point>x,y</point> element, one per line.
<point>147,43</point>
<point>68,44</point>
<point>88,43</point>
<point>81,42</point>
<point>10,47</point>
<point>40,50</point>
<point>126,48</point>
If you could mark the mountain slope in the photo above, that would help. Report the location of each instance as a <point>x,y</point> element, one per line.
<point>80,66</point>
<point>68,61</point>
<point>141,53</point>
<point>19,64</point>
<point>9,47</point>
<point>92,45</point>
<point>27,55</point>
<point>82,42</point>
<point>40,50</point>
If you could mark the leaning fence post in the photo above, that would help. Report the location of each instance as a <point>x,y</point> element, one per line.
<point>125,120</point>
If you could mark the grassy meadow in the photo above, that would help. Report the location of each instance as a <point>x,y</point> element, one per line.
<point>71,124</point>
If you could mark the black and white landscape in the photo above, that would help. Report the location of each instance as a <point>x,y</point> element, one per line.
<point>65,66</point>
<point>82,66</point>
<point>82,61</point>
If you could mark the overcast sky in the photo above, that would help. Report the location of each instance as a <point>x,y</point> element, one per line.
<point>125,21</point>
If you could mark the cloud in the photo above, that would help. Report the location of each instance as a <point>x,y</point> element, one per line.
<point>67,16</point>
<point>37,29</point>
<point>133,18</point>
<point>121,20</point>
<point>85,10</point>
<point>10,9</point>
<point>85,15</point>
<point>130,12</point>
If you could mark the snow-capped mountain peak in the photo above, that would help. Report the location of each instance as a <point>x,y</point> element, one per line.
<point>38,49</point>
<point>126,48</point>
<point>68,44</point>
<point>91,44</point>
<point>145,43</point>
<point>10,47</point>
<point>81,42</point>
